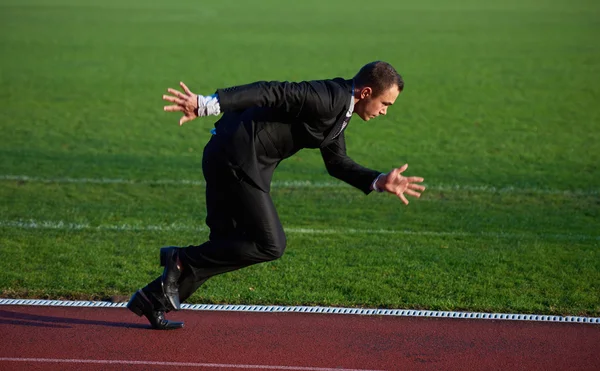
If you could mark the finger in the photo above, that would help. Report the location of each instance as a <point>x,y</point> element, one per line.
<point>171,99</point>
<point>186,118</point>
<point>185,88</point>
<point>177,93</point>
<point>412,193</point>
<point>416,187</point>
<point>403,198</point>
<point>173,108</point>
<point>415,179</point>
<point>402,168</point>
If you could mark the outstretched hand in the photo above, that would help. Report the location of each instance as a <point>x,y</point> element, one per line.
<point>186,102</point>
<point>394,182</point>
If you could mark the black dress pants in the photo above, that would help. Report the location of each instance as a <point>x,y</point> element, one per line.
<point>244,228</point>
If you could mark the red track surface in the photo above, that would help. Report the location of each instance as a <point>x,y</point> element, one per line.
<point>73,337</point>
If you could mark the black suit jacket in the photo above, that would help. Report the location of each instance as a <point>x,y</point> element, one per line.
<point>266,122</point>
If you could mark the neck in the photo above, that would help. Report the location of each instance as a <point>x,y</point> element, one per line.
<point>355,96</point>
<point>354,93</point>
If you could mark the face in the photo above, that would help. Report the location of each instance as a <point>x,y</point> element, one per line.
<point>369,107</point>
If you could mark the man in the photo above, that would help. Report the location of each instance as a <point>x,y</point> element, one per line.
<point>262,124</point>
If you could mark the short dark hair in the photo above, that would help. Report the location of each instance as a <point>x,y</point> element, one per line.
<point>379,76</point>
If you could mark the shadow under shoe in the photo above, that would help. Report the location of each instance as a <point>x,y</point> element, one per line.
<point>169,258</point>
<point>141,305</point>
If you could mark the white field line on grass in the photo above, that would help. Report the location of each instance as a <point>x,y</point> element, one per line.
<point>300,184</point>
<point>62,225</point>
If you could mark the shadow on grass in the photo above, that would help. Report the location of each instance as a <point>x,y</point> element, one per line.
<point>24,319</point>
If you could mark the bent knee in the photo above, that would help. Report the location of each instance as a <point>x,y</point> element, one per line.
<point>275,248</point>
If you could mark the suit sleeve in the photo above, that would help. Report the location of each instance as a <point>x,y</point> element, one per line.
<point>315,99</point>
<point>342,167</point>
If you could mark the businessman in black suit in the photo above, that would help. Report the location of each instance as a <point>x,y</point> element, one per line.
<point>264,123</point>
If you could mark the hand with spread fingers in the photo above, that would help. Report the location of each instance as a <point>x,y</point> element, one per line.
<point>186,102</point>
<point>394,182</point>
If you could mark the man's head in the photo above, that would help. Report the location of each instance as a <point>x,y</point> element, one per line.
<point>376,87</point>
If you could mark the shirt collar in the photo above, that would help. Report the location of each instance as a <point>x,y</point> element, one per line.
<point>351,106</point>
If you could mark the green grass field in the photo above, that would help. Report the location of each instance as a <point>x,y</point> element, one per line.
<point>500,115</point>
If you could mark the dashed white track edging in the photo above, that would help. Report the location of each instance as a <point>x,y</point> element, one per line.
<point>318,310</point>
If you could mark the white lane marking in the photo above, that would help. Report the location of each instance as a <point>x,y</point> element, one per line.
<point>317,310</point>
<point>62,225</point>
<point>304,184</point>
<point>177,364</point>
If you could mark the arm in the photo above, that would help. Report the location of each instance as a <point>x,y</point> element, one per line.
<point>315,99</point>
<point>340,166</point>
<point>284,95</point>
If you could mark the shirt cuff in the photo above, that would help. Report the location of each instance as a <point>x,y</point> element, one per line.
<point>374,184</point>
<point>208,105</point>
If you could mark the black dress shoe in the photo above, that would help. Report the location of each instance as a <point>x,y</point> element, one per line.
<point>169,258</point>
<point>141,305</point>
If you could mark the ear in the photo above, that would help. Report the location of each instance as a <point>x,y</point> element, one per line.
<point>365,92</point>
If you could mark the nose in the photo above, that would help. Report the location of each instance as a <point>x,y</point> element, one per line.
<point>383,111</point>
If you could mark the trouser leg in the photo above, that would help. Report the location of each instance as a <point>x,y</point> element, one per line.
<point>244,230</point>
<point>188,284</point>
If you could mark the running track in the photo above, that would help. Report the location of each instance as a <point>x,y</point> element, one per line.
<point>67,338</point>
